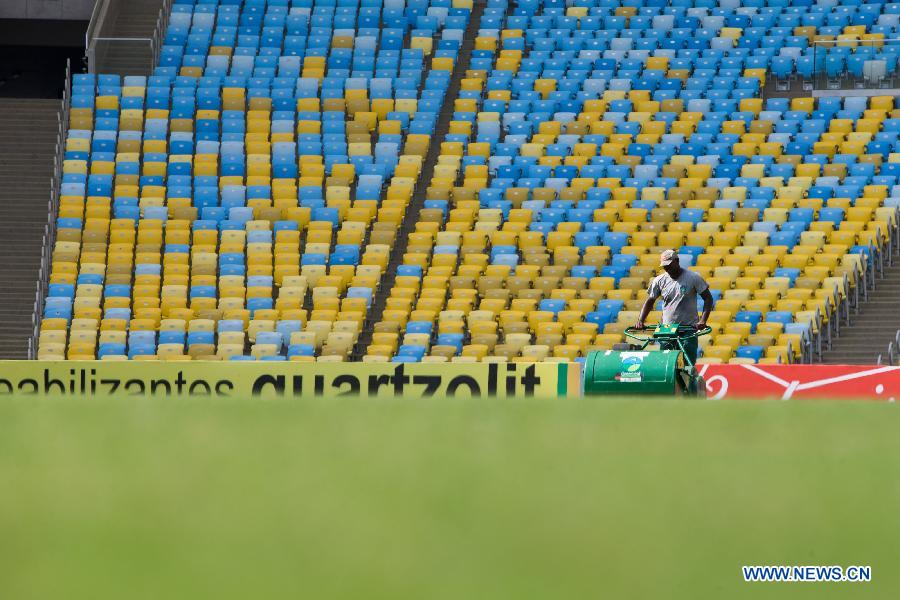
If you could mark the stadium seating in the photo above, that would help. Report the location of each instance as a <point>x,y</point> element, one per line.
<point>244,201</point>
<point>246,197</point>
<point>576,153</point>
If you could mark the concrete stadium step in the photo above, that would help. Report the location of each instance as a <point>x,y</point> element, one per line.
<point>874,327</point>
<point>27,145</point>
<point>28,142</point>
<point>40,125</point>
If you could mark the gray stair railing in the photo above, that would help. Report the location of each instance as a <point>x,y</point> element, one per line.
<point>97,37</point>
<point>851,299</point>
<point>892,356</point>
<point>49,238</point>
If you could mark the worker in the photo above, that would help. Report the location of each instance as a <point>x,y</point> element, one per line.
<point>678,288</point>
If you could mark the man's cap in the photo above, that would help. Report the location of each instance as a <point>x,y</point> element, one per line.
<point>667,257</point>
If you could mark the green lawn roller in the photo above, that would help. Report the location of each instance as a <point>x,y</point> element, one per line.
<point>632,369</point>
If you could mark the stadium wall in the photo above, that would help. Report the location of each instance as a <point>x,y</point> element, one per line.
<point>269,380</point>
<point>77,10</point>
<point>817,382</point>
<point>85,379</point>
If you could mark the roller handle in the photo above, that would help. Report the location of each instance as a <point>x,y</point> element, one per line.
<point>631,332</point>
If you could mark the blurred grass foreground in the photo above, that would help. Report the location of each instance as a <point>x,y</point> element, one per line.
<point>442,498</point>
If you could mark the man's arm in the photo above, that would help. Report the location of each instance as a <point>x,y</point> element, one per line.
<point>709,304</point>
<point>645,310</point>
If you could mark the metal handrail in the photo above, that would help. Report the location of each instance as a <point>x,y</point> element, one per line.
<point>857,42</point>
<point>100,8</point>
<point>162,25</point>
<point>49,237</point>
<point>98,20</point>
<point>143,41</point>
<point>869,272</point>
<point>123,39</point>
<point>819,69</point>
<point>893,350</point>
<point>93,35</point>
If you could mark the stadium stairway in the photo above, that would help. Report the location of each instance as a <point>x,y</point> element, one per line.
<point>418,199</point>
<point>874,327</point>
<point>28,130</point>
<point>875,321</point>
<point>135,19</point>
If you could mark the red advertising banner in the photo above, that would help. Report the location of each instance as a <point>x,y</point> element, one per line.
<point>820,382</point>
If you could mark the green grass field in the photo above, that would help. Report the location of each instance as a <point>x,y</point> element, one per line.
<point>443,499</point>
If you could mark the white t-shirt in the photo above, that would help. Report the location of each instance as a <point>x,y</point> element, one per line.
<point>679,296</point>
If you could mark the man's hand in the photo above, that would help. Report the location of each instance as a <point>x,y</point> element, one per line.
<point>700,325</point>
<point>639,325</point>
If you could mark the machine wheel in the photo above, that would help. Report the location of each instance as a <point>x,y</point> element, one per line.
<point>701,387</point>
